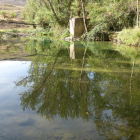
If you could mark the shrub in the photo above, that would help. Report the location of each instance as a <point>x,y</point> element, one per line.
<point>99,32</point>
<point>3,13</point>
<point>130,36</point>
<point>13,14</point>
<point>65,33</point>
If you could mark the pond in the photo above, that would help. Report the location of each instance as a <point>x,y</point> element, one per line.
<point>69,91</point>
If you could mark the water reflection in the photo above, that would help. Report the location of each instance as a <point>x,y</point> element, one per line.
<point>100,84</point>
<point>76,50</point>
<point>12,49</point>
<point>72,51</point>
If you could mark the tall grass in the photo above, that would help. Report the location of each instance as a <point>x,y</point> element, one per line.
<point>130,36</point>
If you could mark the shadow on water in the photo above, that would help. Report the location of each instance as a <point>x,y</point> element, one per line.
<point>97,82</point>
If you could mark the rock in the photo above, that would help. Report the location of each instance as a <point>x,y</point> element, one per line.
<point>13,35</point>
<point>77,27</point>
<point>71,39</point>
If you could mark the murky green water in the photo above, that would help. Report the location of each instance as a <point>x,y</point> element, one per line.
<point>69,91</point>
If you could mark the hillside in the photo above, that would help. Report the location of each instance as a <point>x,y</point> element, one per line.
<point>14,2</point>
<point>9,6</point>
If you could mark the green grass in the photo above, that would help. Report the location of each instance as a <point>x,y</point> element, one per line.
<point>29,31</point>
<point>61,33</point>
<point>37,31</point>
<point>130,36</point>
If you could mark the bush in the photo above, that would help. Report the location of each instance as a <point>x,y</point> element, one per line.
<point>13,14</point>
<point>65,34</point>
<point>58,31</point>
<point>130,36</point>
<point>97,33</point>
<point>3,13</point>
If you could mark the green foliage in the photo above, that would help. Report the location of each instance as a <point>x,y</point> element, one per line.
<point>13,14</point>
<point>58,31</point>
<point>105,16</point>
<point>40,12</point>
<point>131,53</point>
<point>30,11</point>
<point>111,16</point>
<point>42,19</point>
<point>3,13</point>
<point>37,31</point>
<point>130,36</point>
<point>76,8</point>
<point>97,32</point>
<point>65,33</point>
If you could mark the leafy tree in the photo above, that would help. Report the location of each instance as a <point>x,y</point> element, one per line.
<point>105,16</point>
<point>30,10</point>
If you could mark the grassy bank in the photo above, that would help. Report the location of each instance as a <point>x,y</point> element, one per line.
<point>9,33</point>
<point>56,32</point>
<point>130,36</point>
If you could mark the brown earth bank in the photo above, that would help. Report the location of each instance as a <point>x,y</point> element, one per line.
<point>12,24</point>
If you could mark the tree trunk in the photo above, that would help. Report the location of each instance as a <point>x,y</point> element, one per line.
<point>58,2</point>
<point>84,16</point>
<point>68,12</point>
<point>69,5</point>
<point>53,10</point>
<point>137,13</point>
<point>46,5</point>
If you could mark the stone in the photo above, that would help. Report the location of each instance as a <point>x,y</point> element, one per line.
<point>77,27</point>
<point>71,39</point>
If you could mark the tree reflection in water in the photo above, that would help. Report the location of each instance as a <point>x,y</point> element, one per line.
<point>94,85</point>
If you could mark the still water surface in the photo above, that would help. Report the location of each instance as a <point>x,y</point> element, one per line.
<point>69,91</point>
